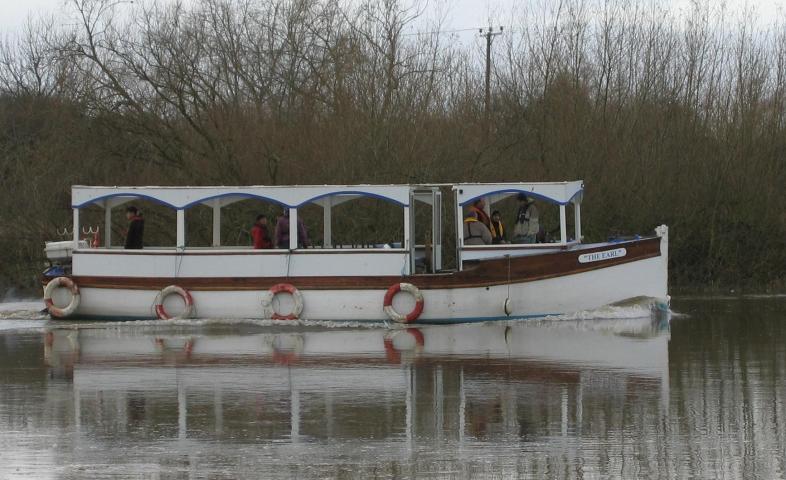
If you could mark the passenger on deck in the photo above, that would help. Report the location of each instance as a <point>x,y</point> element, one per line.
<point>260,234</point>
<point>527,225</point>
<point>478,210</point>
<point>282,231</point>
<point>136,228</point>
<point>475,232</point>
<point>498,230</point>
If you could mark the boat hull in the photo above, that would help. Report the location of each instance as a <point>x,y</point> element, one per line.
<point>533,286</point>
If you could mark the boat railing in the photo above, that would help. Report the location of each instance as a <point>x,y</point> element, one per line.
<point>479,252</point>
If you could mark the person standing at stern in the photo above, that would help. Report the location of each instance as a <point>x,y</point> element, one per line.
<point>136,229</point>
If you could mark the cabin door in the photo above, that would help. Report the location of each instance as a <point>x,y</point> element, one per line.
<point>426,230</point>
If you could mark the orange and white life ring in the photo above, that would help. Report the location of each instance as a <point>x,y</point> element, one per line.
<point>64,282</point>
<point>388,302</point>
<point>392,353</point>
<point>183,293</point>
<point>297,298</point>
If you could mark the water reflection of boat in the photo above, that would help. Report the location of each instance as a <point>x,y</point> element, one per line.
<point>468,379</point>
<point>544,342</point>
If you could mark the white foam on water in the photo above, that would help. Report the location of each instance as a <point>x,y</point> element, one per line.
<point>642,316</point>
<point>606,313</point>
<point>22,315</point>
<point>22,305</point>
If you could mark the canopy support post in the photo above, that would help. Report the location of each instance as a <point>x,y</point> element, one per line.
<point>459,231</point>
<point>181,229</point>
<point>408,244</point>
<point>577,220</point>
<point>107,224</point>
<point>217,223</point>
<point>76,228</point>
<point>563,229</point>
<point>293,229</point>
<point>436,231</point>
<point>327,222</point>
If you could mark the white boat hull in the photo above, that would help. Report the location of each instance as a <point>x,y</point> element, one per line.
<point>572,293</point>
<point>479,293</point>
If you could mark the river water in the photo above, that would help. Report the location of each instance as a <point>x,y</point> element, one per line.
<point>617,393</point>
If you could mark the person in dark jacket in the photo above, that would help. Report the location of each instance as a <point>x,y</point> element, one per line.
<point>136,228</point>
<point>260,234</point>
<point>282,231</point>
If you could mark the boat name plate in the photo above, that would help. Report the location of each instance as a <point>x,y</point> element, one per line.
<point>604,255</point>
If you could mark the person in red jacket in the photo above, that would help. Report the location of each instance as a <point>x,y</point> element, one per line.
<point>260,233</point>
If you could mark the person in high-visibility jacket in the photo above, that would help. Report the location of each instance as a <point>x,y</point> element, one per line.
<point>478,210</point>
<point>497,230</point>
<point>475,232</point>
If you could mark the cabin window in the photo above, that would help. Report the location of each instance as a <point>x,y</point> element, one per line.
<point>344,222</point>
<point>160,223</point>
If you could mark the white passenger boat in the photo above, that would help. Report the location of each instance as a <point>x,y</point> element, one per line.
<point>397,279</point>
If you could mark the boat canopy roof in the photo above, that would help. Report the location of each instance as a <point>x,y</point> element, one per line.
<point>286,196</point>
<point>560,193</point>
<point>296,196</point>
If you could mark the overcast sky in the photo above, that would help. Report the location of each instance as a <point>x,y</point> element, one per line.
<point>460,13</point>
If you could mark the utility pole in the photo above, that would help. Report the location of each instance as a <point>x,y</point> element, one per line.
<point>489,33</point>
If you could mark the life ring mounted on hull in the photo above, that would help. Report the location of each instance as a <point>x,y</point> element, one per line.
<point>50,288</point>
<point>161,312</point>
<point>388,302</point>
<point>297,298</point>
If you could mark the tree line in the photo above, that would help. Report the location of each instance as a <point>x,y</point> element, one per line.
<point>672,117</point>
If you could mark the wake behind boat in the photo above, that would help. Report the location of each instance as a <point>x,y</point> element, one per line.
<point>398,279</point>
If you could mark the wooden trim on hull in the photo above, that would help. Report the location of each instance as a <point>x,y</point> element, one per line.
<point>476,273</point>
